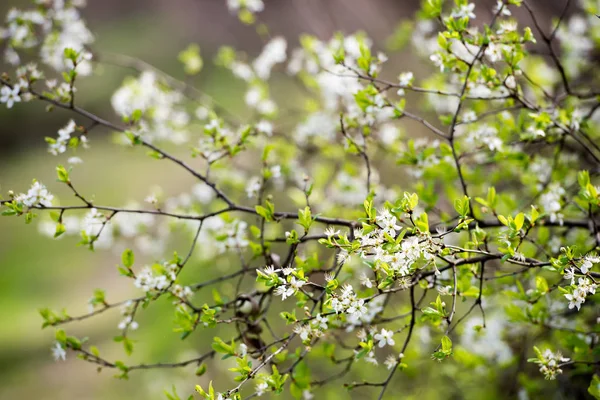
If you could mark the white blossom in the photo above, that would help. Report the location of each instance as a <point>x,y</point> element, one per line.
<point>10,96</point>
<point>64,136</point>
<point>253,187</point>
<point>385,337</point>
<point>253,6</point>
<point>149,280</point>
<point>265,127</point>
<point>261,388</point>
<point>320,322</point>
<point>203,193</point>
<point>502,8</point>
<point>74,160</point>
<point>465,10</point>
<point>576,299</point>
<point>390,362</point>
<point>288,290</point>
<point>405,79</point>
<point>304,331</point>
<point>510,82</point>
<point>365,281</point>
<point>242,71</point>
<point>58,352</point>
<point>272,54</point>
<point>330,232</point>
<point>370,358</point>
<point>469,116</point>
<point>128,322</point>
<point>151,199</point>
<point>506,26</point>
<point>550,201</point>
<point>587,263</point>
<point>549,364</point>
<point>570,275</point>
<point>36,195</point>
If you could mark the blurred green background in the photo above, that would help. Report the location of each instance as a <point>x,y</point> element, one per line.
<point>37,271</point>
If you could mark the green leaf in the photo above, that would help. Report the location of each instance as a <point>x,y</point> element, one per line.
<point>127,345</point>
<point>446,344</point>
<point>60,229</point>
<point>414,201</point>
<point>220,346</point>
<point>70,54</point>
<point>136,115</point>
<point>491,197</point>
<point>364,61</point>
<point>60,336</point>
<point>528,35</point>
<point>94,350</point>
<point>191,60</point>
<point>462,206</point>
<point>541,284</point>
<point>29,217</point>
<point>401,35</point>
<point>583,178</point>
<point>201,370</point>
<point>431,8</point>
<point>265,212</point>
<point>519,220</point>
<point>63,175</point>
<point>473,291</point>
<point>422,223</point>
<point>201,391</point>
<point>128,258</point>
<point>369,209</point>
<point>503,220</point>
<point>594,388</point>
<point>290,318</point>
<point>305,218</point>
<point>534,215</point>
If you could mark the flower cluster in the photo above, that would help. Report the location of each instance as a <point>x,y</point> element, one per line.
<point>64,139</point>
<point>583,288</point>
<point>475,181</point>
<point>550,363</point>
<point>288,284</point>
<point>37,195</point>
<point>128,310</point>
<point>159,277</point>
<point>230,235</point>
<point>61,26</point>
<point>358,311</point>
<point>164,116</point>
<point>550,202</point>
<point>314,329</point>
<point>399,260</point>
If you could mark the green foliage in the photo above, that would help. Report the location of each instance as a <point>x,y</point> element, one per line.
<point>446,215</point>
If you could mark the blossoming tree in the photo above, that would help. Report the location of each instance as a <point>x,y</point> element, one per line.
<point>341,241</point>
